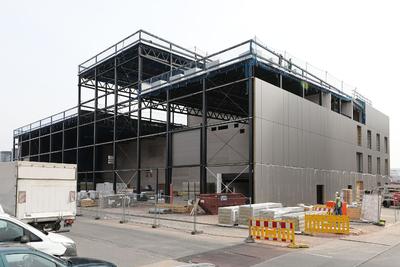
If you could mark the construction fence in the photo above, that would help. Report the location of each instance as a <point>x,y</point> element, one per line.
<point>180,212</point>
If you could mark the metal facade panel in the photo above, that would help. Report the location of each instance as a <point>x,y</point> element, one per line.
<point>320,144</point>
<point>186,148</point>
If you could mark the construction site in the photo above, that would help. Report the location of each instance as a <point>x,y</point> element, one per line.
<point>153,115</point>
<point>245,143</point>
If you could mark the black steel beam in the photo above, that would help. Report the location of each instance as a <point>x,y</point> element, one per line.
<point>115,125</point>
<point>139,119</point>
<point>203,142</point>
<point>96,103</point>
<point>77,122</point>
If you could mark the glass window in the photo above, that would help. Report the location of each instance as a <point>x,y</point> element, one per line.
<point>10,232</point>
<point>378,165</point>
<point>28,260</point>
<point>378,142</point>
<point>359,157</point>
<point>386,145</point>
<point>369,143</point>
<point>369,164</point>
<point>359,136</point>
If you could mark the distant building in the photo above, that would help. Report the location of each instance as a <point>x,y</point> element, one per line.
<point>5,156</point>
<point>395,174</point>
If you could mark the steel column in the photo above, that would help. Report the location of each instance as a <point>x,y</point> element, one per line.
<point>168,148</point>
<point>250,90</point>
<point>96,104</point>
<point>50,136</point>
<point>63,138</point>
<point>78,122</point>
<point>203,142</point>
<point>139,118</point>
<point>13,150</point>
<point>115,125</point>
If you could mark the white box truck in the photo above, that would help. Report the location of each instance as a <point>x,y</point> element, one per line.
<point>40,194</point>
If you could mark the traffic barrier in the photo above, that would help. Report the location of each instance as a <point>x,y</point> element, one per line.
<point>334,224</point>
<point>272,230</point>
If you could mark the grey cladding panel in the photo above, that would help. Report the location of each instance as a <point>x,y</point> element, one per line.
<point>186,148</point>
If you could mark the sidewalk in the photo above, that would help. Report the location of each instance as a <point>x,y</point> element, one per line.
<point>347,251</point>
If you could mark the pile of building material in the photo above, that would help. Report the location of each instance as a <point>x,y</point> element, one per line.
<point>277,213</point>
<point>104,189</point>
<point>347,195</point>
<point>228,215</point>
<point>298,218</point>
<point>254,210</point>
<point>175,208</point>
<point>87,202</point>
<point>354,212</point>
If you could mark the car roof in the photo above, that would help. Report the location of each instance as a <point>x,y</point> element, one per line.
<point>14,247</point>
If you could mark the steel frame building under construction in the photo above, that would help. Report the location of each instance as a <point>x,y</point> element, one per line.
<point>151,112</point>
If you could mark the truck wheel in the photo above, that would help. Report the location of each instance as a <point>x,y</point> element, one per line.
<point>386,204</point>
<point>57,226</point>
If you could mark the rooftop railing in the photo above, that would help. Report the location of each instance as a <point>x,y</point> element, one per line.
<point>130,41</point>
<point>199,64</point>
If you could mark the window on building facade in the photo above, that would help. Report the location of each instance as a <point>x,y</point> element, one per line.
<point>386,145</point>
<point>359,162</point>
<point>378,142</point>
<point>369,143</point>
<point>378,165</point>
<point>359,136</point>
<point>369,164</point>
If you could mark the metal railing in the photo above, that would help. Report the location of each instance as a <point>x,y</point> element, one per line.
<point>133,39</point>
<point>199,64</point>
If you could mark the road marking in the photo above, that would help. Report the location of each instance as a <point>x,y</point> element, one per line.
<point>377,255</point>
<point>364,242</point>
<point>319,255</point>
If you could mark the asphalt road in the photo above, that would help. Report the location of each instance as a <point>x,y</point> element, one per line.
<point>130,245</point>
<point>138,245</point>
<point>378,249</point>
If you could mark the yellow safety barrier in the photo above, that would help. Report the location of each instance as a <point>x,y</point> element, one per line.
<point>334,224</point>
<point>272,230</point>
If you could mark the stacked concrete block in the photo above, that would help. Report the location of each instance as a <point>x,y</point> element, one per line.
<point>254,210</point>
<point>228,215</point>
<point>277,213</point>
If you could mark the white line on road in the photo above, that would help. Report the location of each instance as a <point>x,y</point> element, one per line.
<point>319,255</point>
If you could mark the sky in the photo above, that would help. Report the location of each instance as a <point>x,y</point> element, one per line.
<point>43,42</point>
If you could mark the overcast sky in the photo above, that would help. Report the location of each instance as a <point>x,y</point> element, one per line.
<point>42,43</point>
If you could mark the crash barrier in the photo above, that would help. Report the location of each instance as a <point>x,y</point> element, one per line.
<point>272,230</point>
<point>334,224</point>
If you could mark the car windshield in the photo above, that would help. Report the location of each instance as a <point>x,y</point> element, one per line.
<point>60,260</point>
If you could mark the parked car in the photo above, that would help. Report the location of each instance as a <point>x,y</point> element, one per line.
<point>12,255</point>
<point>16,231</point>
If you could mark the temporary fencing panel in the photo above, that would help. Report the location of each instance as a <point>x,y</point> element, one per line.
<point>334,224</point>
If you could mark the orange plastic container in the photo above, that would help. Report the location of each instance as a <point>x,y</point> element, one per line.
<point>331,204</point>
